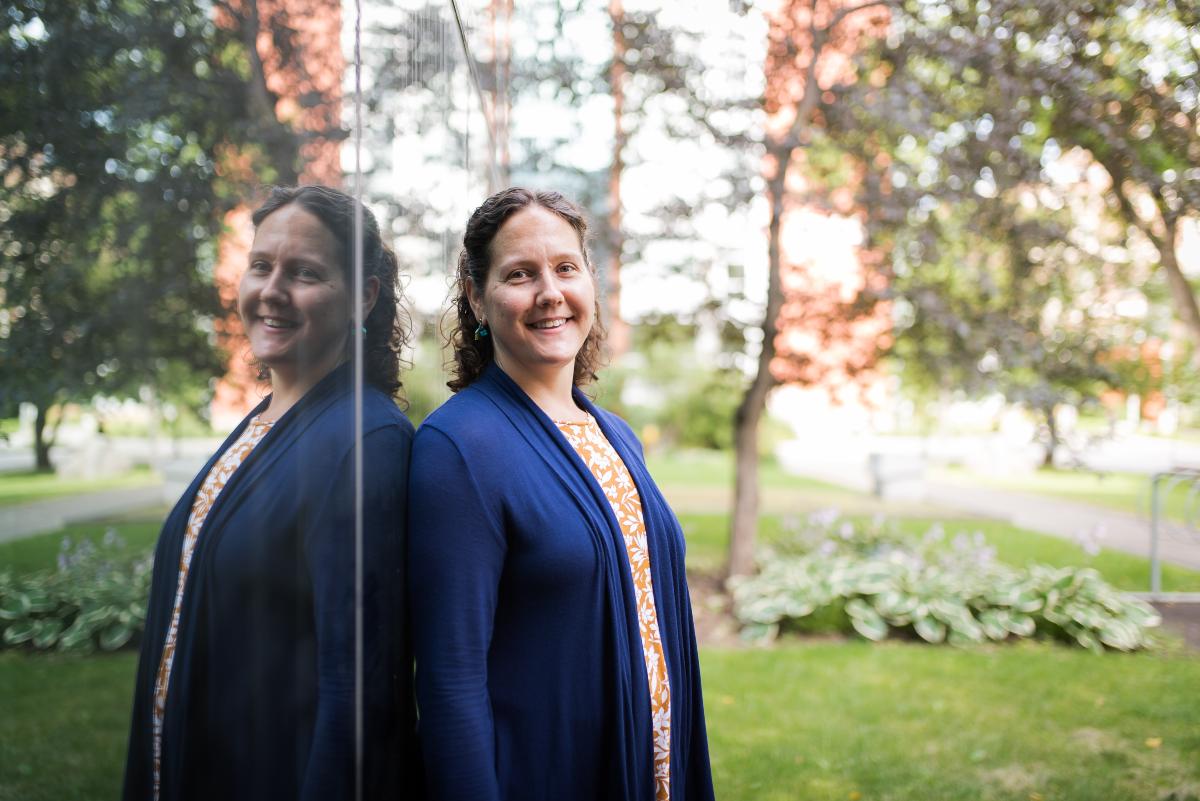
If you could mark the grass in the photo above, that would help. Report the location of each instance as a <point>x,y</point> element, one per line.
<point>841,720</point>
<point>828,721</point>
<point>708,538</point>
<point>702,481</point>
<point>138,529</point>
<point>65,725</point>
<point>708,468</point>
<point>838,721</point>
<point>28,486</point>
<point>1125,492</point>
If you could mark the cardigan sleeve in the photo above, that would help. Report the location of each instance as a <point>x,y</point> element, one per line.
<point>330,554</point>
<point>456,554</point>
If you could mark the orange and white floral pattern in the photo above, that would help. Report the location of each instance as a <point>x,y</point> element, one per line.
<point>589,442</point>
<point>216,480</point>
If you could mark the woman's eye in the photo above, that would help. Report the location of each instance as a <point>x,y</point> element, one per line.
<point>567,267</point>
<point>307,274</point>
<point>260,266</point>
<point>517,275</point>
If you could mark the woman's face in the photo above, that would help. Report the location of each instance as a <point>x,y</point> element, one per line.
<point>293,297</point>
<point>539,298</point>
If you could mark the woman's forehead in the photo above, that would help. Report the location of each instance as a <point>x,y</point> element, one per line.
<point>294,228</point>
<point>537,233</point>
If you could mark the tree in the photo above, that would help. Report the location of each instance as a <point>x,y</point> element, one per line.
<point>808,49</point>
<point>758,141</point>
<point>1007,250</point>
<point>125,135</point>
<point>973,102</point>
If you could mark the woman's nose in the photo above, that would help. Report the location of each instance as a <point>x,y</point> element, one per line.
<point>274,288</point>
<point>549,292</point>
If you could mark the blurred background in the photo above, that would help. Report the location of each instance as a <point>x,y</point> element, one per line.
<point>901,298</point>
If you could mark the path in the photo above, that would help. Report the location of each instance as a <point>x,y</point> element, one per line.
<point>27,519</point>
<point>1067,519</point>
<point>1059,517</point>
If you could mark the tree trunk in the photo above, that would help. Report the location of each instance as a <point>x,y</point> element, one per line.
<point>281,143</point>
<point>1052,436</point>
<point>618,331</point>
<point>1182,294</point>
<point>501,24</point>
<point>1164,240</point>
<point>744,529</point>
<point>41,445</point>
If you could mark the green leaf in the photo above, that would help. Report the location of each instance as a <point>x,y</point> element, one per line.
<point>1022,625</point>
<point>929,629</point>
<point>45,633</point>
<point>865,620</point>
<point>78,636</point>
<point>19,632</point>
<point>115,636</point>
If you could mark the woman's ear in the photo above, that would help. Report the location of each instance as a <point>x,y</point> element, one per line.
<point>475,298</point>
<point>370,295</point>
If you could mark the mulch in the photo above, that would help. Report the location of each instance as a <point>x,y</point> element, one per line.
<point>1183,620</point>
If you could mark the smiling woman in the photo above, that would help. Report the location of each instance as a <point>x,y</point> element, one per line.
<point>293,301</point>
<point>555,649</point>
<point>250,661</point>
<point>537,302</point>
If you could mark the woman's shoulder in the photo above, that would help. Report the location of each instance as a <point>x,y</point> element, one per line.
<point>465,413</point>
<point>382,411</point>
<point>333,426</point>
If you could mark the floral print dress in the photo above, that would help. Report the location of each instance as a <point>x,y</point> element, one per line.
<point>590,443</point>
<point>216,480</point>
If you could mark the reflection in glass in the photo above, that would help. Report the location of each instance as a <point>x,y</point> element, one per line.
<point>136,139</point>
<point>250,671</point>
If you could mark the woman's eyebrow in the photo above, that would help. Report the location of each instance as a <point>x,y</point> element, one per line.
<point>517,261</point>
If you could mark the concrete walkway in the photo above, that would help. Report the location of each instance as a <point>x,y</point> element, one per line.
<point>1042,513</point>
<point>1070,520</point>
<point>27,519</point>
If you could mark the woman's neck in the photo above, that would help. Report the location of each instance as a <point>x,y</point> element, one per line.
<point>288,386</point>
<point>551,392</point>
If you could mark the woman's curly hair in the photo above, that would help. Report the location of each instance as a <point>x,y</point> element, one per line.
<point>472,355</point>
<point>387,324</point>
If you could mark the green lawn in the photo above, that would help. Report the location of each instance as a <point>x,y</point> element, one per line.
<point>708,537</point>
<point>839,721</point>
<point>138,529</point>
<point>832,720</point>
<point>25,487</point>
<point>707,468</point>
<point>701,481</point>
<point>1125,492</point>
<point>65,725</point>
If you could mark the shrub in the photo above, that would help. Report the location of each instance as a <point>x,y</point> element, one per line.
<point>95,598</point>
<point>956,592</point>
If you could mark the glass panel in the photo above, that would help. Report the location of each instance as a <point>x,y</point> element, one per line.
<point>201,452</point>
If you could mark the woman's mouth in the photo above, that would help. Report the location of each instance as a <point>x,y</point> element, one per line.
<point>557,322</point>
<point>277,322</point>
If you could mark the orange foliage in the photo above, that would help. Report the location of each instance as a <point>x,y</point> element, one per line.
<point>828,336</point>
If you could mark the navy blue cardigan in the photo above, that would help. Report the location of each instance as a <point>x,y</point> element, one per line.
<point>530,681</point>
<point>261,697</point>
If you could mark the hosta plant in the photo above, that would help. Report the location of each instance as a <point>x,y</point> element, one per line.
<point>95,598</point>
<point>955,592</point>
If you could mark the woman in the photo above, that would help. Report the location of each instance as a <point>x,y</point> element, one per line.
<point>556,655</point>
<point>250,662</point>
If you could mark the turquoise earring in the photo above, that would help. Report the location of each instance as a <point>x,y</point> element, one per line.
<point>481,331</point>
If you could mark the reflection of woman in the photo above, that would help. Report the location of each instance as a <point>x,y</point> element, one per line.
<point>555,650</point>
<point>250,664</point>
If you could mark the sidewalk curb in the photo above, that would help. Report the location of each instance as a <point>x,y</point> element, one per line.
<point>39,517</point>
